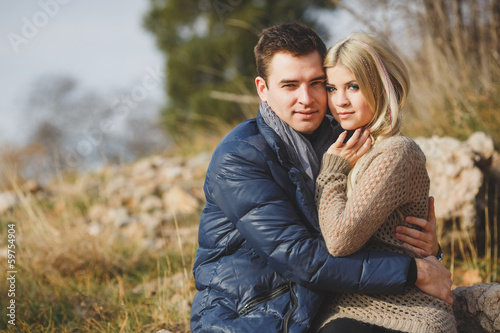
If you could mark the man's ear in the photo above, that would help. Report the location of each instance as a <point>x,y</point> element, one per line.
<point>261,86</point>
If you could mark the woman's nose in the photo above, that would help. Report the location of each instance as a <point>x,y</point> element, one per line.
<point>341,98</point>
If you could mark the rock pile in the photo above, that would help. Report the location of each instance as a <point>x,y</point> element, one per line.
<point>458,171</point>
<point>140,198</point>
<point>146,199</point>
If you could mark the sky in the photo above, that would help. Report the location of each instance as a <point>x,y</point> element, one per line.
<point>102,44</point>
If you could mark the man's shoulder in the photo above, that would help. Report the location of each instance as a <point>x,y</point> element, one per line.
<point>245,134</point>
<point>244,131</point>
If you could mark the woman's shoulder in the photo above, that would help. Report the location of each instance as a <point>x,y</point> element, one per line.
<point>399,141</point>
<point>403,144</point>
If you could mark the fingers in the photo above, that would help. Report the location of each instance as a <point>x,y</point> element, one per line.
<point>419,222</point>
<point>358,144</point>
<point>432,213</point>
<point>424,245</point>
<point>363,136</point>
<point>406,233</point>
<point>418,250</point>
<point>340,140</point>
<point>366,146</point>
<point>421,242</point>
<point>353,140</point>
<point>424,249</point>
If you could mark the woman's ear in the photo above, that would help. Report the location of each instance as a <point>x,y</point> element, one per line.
<point>261,86</point>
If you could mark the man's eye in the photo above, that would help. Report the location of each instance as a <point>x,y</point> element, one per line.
<point>316,83</point>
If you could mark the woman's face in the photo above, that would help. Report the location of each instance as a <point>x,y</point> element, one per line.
<point>346,102</point>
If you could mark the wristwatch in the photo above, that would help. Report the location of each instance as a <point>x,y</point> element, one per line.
<point>439,255</point>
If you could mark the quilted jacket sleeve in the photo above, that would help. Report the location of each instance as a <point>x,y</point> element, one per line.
<point>247,192</point>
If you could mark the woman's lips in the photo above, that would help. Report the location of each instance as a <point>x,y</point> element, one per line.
<point>345,115</point>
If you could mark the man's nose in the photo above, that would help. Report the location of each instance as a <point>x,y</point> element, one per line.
<point>305,95</point>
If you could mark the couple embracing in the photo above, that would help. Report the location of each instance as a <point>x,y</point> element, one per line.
<point>316,223</point>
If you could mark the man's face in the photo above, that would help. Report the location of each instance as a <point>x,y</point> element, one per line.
<point>295,90</point>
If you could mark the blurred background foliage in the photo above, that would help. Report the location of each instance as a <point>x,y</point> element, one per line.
<point>451,46</point>
<point>210,62</point>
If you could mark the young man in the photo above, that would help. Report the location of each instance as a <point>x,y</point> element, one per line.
<point>262,264</point>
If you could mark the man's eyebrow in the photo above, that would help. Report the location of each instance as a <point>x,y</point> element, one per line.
<point>284,81</point>
<point>319,78</point>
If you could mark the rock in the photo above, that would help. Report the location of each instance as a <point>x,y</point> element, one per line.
<point>151,203</point>
<point>135,198</point>
<point>31,186</point>
<point>150,222</point>
<point>118,217</point>
<point>482,145</point>
<point>199,165</point>
<point>455,177</point>
<point>143,170</point>
<point>171,173</point>
<point>477,308</point>
<point>115,186</point>
<point>8,200</point>
<point>97,213</point>
<point>178,201</point>
<point>94,228</point>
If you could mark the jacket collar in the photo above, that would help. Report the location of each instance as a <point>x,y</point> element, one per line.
<point>304,197</point>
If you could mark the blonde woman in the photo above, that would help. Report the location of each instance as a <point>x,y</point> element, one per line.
<point>362,206</point>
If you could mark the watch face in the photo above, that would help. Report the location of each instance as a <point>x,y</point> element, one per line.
<point>439,255</point>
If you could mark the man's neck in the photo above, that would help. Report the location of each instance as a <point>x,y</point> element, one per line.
<point>312,137</point>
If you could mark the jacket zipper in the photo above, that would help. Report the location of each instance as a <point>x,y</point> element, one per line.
<point>264,298</point>
<point>292,310</point>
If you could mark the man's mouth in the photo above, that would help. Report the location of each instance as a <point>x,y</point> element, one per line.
<point>306,114</point>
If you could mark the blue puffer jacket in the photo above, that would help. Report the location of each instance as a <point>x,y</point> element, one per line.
<point>261,264</point>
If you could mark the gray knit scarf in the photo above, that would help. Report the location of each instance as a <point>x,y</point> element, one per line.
<point>299,149</point>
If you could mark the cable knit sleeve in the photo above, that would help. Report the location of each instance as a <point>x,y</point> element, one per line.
<point>347,224</point>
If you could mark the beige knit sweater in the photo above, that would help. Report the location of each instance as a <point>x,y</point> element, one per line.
<point>390,184</point>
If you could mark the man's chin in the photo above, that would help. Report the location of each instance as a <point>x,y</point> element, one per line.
<point>308,129</point>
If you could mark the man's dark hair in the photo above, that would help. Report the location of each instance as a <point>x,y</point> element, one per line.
<point>293,38</point>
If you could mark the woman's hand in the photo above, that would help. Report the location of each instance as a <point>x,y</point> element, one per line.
<point>354,148</point>
<point>424,242</point>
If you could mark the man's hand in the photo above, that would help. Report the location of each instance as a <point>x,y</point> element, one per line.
<point>424,242</point>
<point>354,148</point>
<point>434,279</point>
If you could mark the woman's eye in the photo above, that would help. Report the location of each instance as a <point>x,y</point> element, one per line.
<point>353,87</point>
<point>330,89</point>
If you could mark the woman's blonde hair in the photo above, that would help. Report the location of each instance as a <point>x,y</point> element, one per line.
<point>382,76</point>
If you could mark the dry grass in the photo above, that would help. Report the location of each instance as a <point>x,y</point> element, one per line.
<point>71,281</point>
